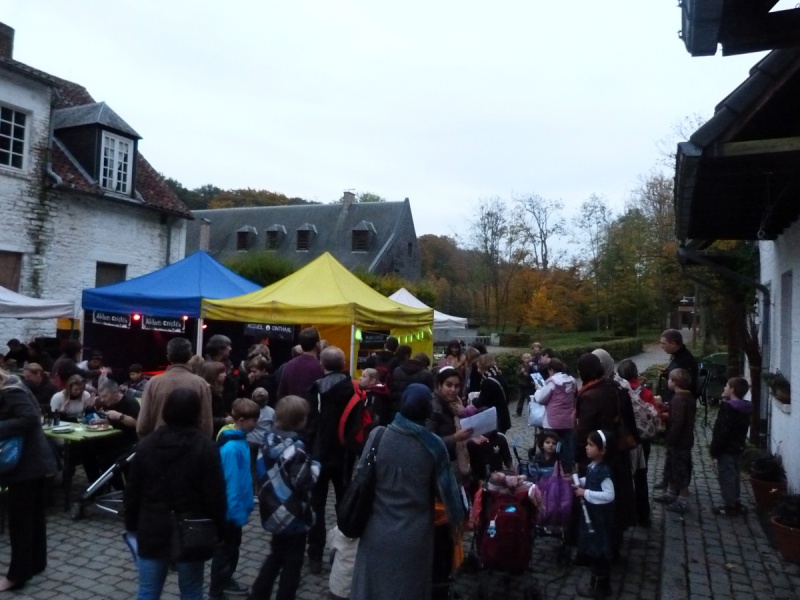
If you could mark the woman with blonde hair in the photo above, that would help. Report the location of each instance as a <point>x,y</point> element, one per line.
<point>73,400</point>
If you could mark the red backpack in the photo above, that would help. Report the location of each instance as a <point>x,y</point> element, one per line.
<point>356,421</point>
<point>505,531</point>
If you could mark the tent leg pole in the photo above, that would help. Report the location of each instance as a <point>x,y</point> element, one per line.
<point>199,338</point>
<point>352,349</point>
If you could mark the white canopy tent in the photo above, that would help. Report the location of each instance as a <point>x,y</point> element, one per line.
<point>440,320</point>
<point>18,306</point>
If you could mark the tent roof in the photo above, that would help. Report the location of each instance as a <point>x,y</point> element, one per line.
<point>322,292</point>
<point>440,319</point>
<point>19,306</point>
<point>173,291</point>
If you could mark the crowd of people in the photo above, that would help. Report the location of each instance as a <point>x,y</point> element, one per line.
<point>214,440</point>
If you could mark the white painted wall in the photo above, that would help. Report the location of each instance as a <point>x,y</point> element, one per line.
<point>777,258</point>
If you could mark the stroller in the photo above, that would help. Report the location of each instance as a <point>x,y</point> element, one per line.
<point>110,502</point>
<point>504,519</point>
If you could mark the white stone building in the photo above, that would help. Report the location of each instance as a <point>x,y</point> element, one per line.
<point>81,207</point>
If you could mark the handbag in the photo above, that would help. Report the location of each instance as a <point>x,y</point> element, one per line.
<point>10,453</point>
<point>354,510</point>
<point>193,540</point>
<point>535,414</point>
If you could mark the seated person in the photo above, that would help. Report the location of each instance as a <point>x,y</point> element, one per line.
<point>38,382</point>
<point>95,365</point>
<point>37,354</point>
<point>134,387</point>
<point>121,413</point>
<point>17,351</point>
<point>72,402</point>
<point>546,458</point>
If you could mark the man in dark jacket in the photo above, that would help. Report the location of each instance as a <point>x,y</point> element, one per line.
<point>411,370</point>
<point>332,393</point>
<point>672,343</point>
<point>728,441</point>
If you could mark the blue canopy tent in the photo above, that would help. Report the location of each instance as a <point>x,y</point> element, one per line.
<point>176,290</point>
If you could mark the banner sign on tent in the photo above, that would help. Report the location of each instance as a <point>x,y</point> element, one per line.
<point>170,324</point>
<point>283,333</point>
<point>111,319</point>
<point>374,340</point>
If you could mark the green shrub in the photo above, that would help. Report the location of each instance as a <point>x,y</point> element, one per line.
<point>515,340</point>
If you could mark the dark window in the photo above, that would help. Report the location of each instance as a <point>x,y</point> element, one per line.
<point>10,268</point>
<point>360,241</point>
<point>12,137</point>
<point>108,273</point>
<point>303,239</point>
<point>241,240</point>
<point>272,240</point>
<point>410,249</point>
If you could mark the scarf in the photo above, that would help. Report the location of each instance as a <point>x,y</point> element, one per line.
<point>492,372</point>
<point>445,480</point>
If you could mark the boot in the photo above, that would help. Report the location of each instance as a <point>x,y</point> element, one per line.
<point>599,586</point>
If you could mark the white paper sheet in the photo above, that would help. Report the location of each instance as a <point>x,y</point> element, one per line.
<point>482,422</point>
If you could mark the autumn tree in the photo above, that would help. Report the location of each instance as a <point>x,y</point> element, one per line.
<point>591,230</point>
<point>543,221</point>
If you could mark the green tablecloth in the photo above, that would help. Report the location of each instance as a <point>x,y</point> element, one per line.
<point>80,433</point>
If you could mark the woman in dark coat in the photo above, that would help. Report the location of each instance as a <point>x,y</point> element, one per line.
<point>176,469</point>
<point>600,405</point>
<point>493,392</point>
<point>27,530</point>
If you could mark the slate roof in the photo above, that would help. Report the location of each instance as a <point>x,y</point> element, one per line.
<point>151,188</point>
<point>98,113</point>
<point>334,224</point>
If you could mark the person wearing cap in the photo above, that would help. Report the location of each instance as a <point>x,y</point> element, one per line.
<point>17,351</point>
<point>38,382</point>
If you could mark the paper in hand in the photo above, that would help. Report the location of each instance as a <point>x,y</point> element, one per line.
<point>483,422</point>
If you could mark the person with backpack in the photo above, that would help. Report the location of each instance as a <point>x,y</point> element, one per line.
<point>330,396</point>
<point>287,475</point>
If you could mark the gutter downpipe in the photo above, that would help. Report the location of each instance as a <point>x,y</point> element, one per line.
<point>686,254</point>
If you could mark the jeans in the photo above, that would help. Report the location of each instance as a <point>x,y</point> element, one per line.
<point>153,573</point>
<point>285,558</point>
<point>728,477</point>
<point>225,560</point>
<point>338,475</point>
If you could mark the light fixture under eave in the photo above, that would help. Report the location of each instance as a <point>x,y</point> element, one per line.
<point>137,317</point>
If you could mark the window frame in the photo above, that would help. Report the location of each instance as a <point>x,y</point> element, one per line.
<point>273,240</point>
<point>12,273</point>
<point>115,181</point>
<point>359,241</point>
<point>305,236</point>
<point>23,153</point>
<point>107,268</point>
<point>242,241</point>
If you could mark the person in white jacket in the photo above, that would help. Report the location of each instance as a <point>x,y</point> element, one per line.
<point>558,397</point>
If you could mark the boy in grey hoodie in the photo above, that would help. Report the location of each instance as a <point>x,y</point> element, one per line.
<point>728,441</point>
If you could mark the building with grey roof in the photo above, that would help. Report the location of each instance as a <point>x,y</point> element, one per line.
<point>377,236</point>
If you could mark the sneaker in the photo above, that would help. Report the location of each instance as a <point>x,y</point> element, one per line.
<point>665,498</point>
<point>234,588</point>
<point>678,507</point>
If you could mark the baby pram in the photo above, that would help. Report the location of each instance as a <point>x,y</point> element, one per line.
<point>110,502</point>
<point>503,520</point>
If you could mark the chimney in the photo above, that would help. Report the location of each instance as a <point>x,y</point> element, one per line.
<point>348,199</point>
<point>205,234</point>
<point>6,41</point>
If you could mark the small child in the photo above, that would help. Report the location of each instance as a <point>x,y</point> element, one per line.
<point>134,387</point>
<point>378,399</point>
<point>595,538</point>
<point>548,449</point>
<point>728,441</point>
<point>256,437</point>
<point>288,474</point>
<point>680,439</point>
<point>558,395</point>
<point>235,458</point>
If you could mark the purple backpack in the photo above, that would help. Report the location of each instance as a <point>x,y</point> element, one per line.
<point>558,497</point>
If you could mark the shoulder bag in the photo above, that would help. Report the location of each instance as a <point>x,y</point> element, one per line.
<point>192,539</point>
<point>10,453</point>
<point>355,508</point>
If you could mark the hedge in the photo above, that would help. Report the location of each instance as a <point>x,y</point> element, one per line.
<point>509,362</point>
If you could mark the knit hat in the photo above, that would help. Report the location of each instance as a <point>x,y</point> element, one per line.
<point>416,403</point>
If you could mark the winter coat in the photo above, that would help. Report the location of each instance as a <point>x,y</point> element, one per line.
<point>558,396</point>
<point>597,407</point>
<point>443,423</point>
<point>156,392</point>
<point>680,428</point>
<point>493,393</point>
<point>20,415</point>
<point>235,456</point>
<point>286,474</point>
<point>682,359</point>
<point>410,371</point>
<point>332,394</point>
<point>730,428</point>
<point>174,469</point>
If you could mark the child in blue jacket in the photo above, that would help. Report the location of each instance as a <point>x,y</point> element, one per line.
<point>235,456</point>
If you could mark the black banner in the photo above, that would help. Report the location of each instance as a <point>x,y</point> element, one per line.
<point>373,340</point>
<point>171,324</point>
<point>283,333</point>
<point>111,319</point>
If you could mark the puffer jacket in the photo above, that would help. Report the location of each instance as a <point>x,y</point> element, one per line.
<point>558,397</point>
<point>20,415</point>
<point>235,456</point>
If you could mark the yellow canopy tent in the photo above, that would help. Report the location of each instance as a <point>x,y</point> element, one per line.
<point>325,294</point>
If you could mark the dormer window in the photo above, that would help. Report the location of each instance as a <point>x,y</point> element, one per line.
<point>116,166</point>
<point>12,137</point>
<point>245,237</point>
<point>305,235</point>
<point>275,233</point>
<point>362,236</point>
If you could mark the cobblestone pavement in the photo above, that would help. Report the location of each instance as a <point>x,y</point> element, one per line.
<point>697,556</point>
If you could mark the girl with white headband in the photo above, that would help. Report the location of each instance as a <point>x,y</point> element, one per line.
<point>595,537</point>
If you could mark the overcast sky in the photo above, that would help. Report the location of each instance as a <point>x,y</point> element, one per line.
<point>442,102</point>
